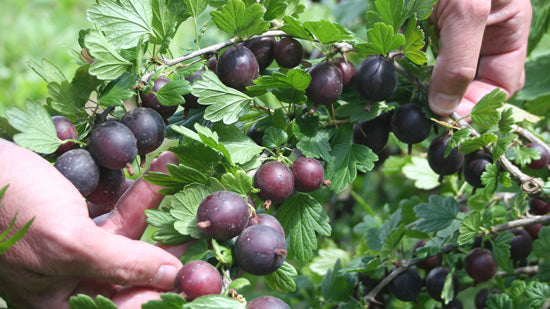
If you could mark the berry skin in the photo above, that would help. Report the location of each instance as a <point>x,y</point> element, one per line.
<point>198,278</point>
<point>260,250</point>
<point>109,187</point>
<point>436,157</point>
<point>65,129</point>
<point>540,162</point>
<point>80,169</point>
<point>533,230</point>
<point>267,302</point>
<point>237,67</point>
<point>409,124</point>
<point>376,78</point>
<point>428,263</point>
<point>521,245</point>
<point>347,69</point>
<point>480,264</point>
<point>275,181</point>
<point>326,84</point>
<point>474,166</point>
<point>407,286</point>
<point>373,133</point>
<point>288,52</point>
<point>436,279</point>
<point>147,126</point>
<point>538,207</point>
<point>223,215</point>
<point>113,145</point>
<point>262,48</point>
<point>150,100</point>
<point>309,174</point>
<point>192,101</point>
<point>269,220</point>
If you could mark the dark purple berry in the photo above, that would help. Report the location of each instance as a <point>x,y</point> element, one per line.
<point>521,245</point>
<point>436,279</point>
<point>269,220</point>
<point>441,164</point>
<point>79,167</point>
<point>65,130</point>
<point>533,230</point>
<point>347,69</point>
<point>376,78</point>
<point>288,52</point>
<point>482,296</point>
<point>192,101</point>
<point>260,250</point>
<point>237,67</point>
<point>538,207</point>
<point>480,264</point>
<point>407,286</point>
<point>109,188</point>
<point>263,50</point>
<point>147,126</point>
<point>309,174</point>
<point>275,181</point>
<point>267,302</point>
<point>326,84</point>
<point>212,63</point>
<point>474,166</point>
<point>540,162</point>
<point>409,124</point>
<point>373,133</point>
<point>428,263</point>
<point>150,100</point>
<point>113,145</point>
<point>223,215</point>
<point>198,278</point>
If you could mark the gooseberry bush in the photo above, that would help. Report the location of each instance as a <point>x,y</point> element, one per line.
<point>311,172</point>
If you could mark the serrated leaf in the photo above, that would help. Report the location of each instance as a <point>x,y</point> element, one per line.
<point>196,7</point>
<point>214,302</point>
<point>437,214</point>
<point>316,145</point>
<point>507,120</point>
<point>470,227</point>
<point>294,79</point>
<point>337,286</point>
<point>500,147</point>
<point>414,42</point>
<point>356,111</point>
<point>177,178</point>
<point>537,293</point>
<point>172,93</point>
<point>490,177</point>
<point>238,182</point>
<point>82,301</point>
<point>536,78</point>
<point>274,137</point>
<point>37,130</point>
<point>184,209</point>
<point>327,32</point>
<point>295,29</point>
<point>419,170</point>
<point>124,23</point>
<point>108,63</point>
<point>48,71</point>
<point>477,143</point>
<point>224,103</point>
<point>118,90</point>
<point>541,246</point>
<point>196,251</point>
<point>499,301</point>
<point>501,251</point>
<point>390,12</point>
<point>283,278</point>
<point>241,148</point>
<point>211,139</point>
<point>167,301</point>
<point>165,232</point>
<point>392,241</point>
<point>382,40</point>
<point>239,283</point>
<point>326,258</point>
<point>480,199</point>
<point>65,99</point>
<point>301,217</point>
<point>274,9</point>
<point>485,113</point>
<point>238,20</point>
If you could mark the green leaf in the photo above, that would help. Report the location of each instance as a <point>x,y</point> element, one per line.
<point>196,7</point>
<point>414,42</point>
<point>541,246</point>
<point>448,291</point>
<point>274,9</point>
<point>196,251</point>
<point>499,301</point>
<point>294,79</point>
<point>124,23</point>
<point>485,113</point>
<point>328,32</point>
<point>507,120</point>
<point>240,146</point>
<point>82,301</point>
<point>167,301</point>
<point>177,178</point>
<point>480,199</point>
<point>214,302</point>
<point>326,258</point>
<point>337,286</point>
<point>295,29</point>
<point>239,283</point>
<point>224,103</point>
<point>238,182</point>
<point>274,137</point>
<point>477,143</point>
<point>301,216</point>
<point>421,8</point>
<point>504,141</point>
<point>239,20</point>
<point>501,251</point>
<point>436,215</point>
<point>36,126</point>
<point>490,177</point>
<point>356,111</point>
<point>536,78</point>
<point>118,90</point>
<point>184,209</point>
<point>419,170</point>
<point>165,232</point>
<point>390,12</point>
<point>537,293</point>
<point>470,227</point>
<point>382,40</point>
<point>211,139</point>
<point>84,84</point>
<point>108,63</point>
<point>48,71</point>
<point>172,93</point>
<point>283,278</point>
<point>313,140</point>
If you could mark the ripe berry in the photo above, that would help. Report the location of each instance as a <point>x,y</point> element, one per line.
<point>309,174</point>
<point>113,145</point>
<point>237,67</point>
<point>347,69</point>
<point>521,245</point>
<point>540,162</point>
<point>109,187</point>
<point>192,101</point>
<point>65,130</point>
<point>223,215</point>
<point>474,166</point>
<point>482,296</point>
<point>326,84</point>
<point>409,124</point>
<point>480,264</point>
<point>198,278</point>
<point>275,181</point>
<point>150,100</point>
<point>441,164</point>
<point>260,250</point>
<point>436,279</point>
<point>376,78</point>
<point>288,52</point>
<point>407,286</point>
<point>538,207</point>
<point>78,166</point>
<point>428,263</point>
<point>533,230</point>
<point>147,126</point>
<point>263,50</point>
<point>269,220</point>
<point>267,302</point>
<point>373,133</point>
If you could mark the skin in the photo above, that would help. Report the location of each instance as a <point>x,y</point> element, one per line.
<point>64,252</point>
<point>483,46</point>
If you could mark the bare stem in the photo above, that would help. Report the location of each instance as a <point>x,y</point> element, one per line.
<point>519,223</point>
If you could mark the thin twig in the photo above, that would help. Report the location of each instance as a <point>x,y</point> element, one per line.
<point>519,223</point>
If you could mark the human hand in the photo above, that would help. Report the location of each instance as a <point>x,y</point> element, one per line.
<point>481,39</point>
<point>64,252</point>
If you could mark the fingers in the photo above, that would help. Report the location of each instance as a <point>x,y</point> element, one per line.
<point>461,25</point>
<point>128,218</point>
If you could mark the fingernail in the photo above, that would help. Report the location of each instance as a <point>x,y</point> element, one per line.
<point>444,104</point>
<point>165,277</point>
